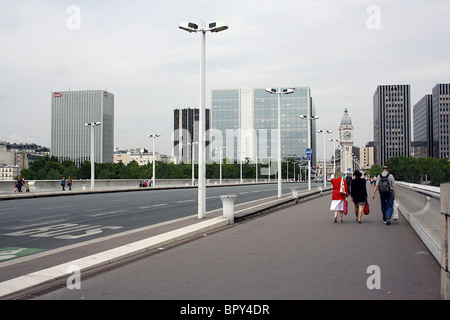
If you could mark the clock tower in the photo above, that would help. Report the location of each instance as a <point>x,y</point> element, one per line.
<point>346,138</point>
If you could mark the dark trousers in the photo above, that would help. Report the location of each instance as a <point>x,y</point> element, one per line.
<point>387,204</point>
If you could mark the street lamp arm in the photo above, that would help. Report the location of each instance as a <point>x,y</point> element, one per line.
<point>213,27</point>
<point>302,116</point>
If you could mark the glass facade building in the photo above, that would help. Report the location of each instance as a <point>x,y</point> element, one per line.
<point>245,121</point>
<point>70,138</point>
<point>423,133</point>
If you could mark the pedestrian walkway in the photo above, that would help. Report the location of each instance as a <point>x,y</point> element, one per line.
<point>294,253</point>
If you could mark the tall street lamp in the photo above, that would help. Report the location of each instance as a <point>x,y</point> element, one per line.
<point>192,144</point>
<point>154,136</point>
<point>192,27</point>
<point>240,165</point>
<point>324,156</point>
<point>220,163</point>
<point>334,152</point>
<point>309,118</point>
<point>279,92</point>
<point>256,162</point>
<point>92,125</point>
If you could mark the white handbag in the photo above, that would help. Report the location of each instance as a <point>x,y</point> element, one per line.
<point>395,211</point>
<point>342,188</point>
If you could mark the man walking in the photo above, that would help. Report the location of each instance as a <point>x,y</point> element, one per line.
<point>386,187</point>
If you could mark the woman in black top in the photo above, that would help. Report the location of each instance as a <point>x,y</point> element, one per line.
<point>359,194</point>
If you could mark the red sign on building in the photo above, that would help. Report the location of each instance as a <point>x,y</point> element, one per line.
<point>58,94</point>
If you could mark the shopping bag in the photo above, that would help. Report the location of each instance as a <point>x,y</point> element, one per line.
<point>345,206</point>
<point>342,187</point>
<point>395,211</point>
<point>366,208</point>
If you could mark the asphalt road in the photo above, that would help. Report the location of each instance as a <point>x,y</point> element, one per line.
<point>49,223</point>
<point>295,253</point>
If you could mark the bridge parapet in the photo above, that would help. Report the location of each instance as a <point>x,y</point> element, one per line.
<point>445,220</point>
<point>421,207</point>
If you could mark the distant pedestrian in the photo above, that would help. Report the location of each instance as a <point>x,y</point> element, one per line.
<point>63,184</point>
<point>340,194</point>
<point>386,187</point>
<point>69,182</point>
<point>27,186</point>
<point>348,179</point>
<point>359,194</point>
<point>19,184</point>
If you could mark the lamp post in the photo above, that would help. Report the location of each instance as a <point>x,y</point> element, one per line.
<point>256,167</point>
<point>334,152</point>
<point>279,92</point>
<point>309,118</point>
<point>324,156</point>
<point>92,125</point>
<point>192,27</point>
<point>240,165</point>
<point>192,160</point>
<point>287,170</point>
<point>154,136</point>
<point>220,163</point>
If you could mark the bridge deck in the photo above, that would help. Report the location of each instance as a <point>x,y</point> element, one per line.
<point>294,253</point>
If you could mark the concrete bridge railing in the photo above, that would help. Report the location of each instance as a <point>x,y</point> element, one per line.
<point>427,209</point>
<point>55,185</point>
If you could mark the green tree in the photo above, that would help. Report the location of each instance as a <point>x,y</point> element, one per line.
<point>84,172</point>
<point>375,170</point>
<point>54,174</point>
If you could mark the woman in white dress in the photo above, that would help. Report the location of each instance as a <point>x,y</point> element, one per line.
<point>340,193</point>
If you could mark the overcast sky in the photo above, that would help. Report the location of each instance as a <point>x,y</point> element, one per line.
<point>341,49</point>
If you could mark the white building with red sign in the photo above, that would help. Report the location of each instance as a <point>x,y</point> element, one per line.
<point>71,110</point>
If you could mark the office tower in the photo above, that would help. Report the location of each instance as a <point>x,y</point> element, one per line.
<point>391,122</point>
<point>422,146</point>
<point>186,129</point>
<point>246,122</point>
<point>366,156</point>
<point>441,121</point>
<point>70,138</point>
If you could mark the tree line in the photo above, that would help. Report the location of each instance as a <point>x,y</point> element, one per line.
<point>50,168</point>
<point>416,170</point>
<point>408,169</point>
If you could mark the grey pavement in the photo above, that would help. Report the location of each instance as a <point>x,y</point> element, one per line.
<point>296,253</point>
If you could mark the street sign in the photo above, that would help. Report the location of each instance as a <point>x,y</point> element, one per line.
<point>308,157</point>
<point>308,152</point>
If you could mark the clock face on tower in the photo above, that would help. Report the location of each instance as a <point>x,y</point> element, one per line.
<point>347,135</point>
